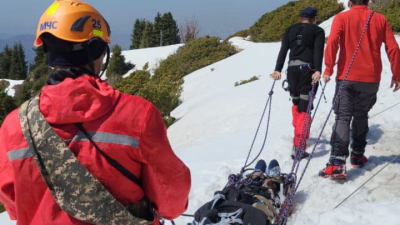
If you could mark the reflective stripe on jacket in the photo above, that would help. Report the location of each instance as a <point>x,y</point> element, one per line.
<point>128,128</point>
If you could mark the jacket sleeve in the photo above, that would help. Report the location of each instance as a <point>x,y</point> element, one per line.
<point>283,52</point>
<point>319,45</point>
<point>7,195</point>
<point>166,179</point>
<point>332,45</point>
<point>392,50</point>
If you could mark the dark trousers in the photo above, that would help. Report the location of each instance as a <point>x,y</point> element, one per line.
<point>353,105</point>
<point>300,85</point>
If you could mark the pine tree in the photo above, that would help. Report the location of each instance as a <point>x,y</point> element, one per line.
<point>170,30</point>
<point>22,64</point>
<point>117,66</point>
<point>156,39</point>
<point>146,37</point>
<point>40,58</point>
<point>12,73</point>
<point>137,33</point>
<point>18,68</point>
<point>5,62</point>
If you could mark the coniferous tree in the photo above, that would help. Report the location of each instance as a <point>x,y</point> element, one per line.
<point>5,62</point>
<point>7,103</point>
<point>22,64</point>
<point>12,72</point>
<point>164,31</point>
<point>156,39</point>
<point>18,68</point>
<point>170,30</point>
<point>38,74</point>
<point>137,34</point>
<point>146,38</point>
<point>118,67</point>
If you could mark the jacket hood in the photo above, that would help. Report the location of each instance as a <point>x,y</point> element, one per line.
<point>77,100</point>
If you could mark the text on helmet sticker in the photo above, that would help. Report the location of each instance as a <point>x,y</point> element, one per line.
<point>96,24</point>
<point>48,25</point>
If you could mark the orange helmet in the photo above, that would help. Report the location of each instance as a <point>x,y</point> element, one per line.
<point>73,21</point>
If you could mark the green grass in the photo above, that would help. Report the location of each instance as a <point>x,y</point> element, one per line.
<point>254,78</point>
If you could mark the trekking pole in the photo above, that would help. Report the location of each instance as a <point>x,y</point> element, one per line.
<point>323,90</point>
<point>391,107</point>
<point>366,182</point>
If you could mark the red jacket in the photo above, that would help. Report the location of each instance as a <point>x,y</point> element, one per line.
<point>128,128</point>
<point>346,31</point>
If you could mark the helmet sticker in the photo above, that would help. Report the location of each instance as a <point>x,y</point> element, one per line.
<point>98,33</point>
<point>53,8</point>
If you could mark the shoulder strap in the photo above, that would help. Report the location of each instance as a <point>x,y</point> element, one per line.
<point>110,160</point>
<point>73,187</point>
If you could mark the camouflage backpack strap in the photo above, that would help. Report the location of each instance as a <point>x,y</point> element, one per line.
<point>73,187</point>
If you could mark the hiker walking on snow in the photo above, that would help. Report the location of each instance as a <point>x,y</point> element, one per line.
<point>305,41</point>
<point>359,92</point>
<point>81,152</point>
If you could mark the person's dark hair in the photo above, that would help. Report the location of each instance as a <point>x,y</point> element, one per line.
<point>360,2</point>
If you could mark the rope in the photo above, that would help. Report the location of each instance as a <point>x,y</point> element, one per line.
<point>282,220</point>
<point>258,128</point>
<point>366,182</point>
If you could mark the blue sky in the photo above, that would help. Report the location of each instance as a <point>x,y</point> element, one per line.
<point>216,17</point>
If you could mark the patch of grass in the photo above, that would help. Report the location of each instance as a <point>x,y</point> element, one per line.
<point>254,78</point>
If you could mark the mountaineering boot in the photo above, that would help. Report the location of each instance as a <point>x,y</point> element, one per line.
<point>358,161</point>
<point>261,166</point>
<point>335,169</point>
<point>274,170</point>
<point>303,154</point>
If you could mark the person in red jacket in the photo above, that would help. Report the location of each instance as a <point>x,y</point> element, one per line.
<point>128,129</point>
<point>359,92</point>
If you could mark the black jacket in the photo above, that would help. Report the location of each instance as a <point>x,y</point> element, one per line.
<point>306,43</point>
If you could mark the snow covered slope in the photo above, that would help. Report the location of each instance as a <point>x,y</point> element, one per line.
<point>153,56</point>
<point>10,89</point>
<point>217,121</point>
<point>326,25</point>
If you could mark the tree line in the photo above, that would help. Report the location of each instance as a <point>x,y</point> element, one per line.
<point>163,31</point>
<point>12,62</point>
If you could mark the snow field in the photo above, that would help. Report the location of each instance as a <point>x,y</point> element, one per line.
<point>217,122</point>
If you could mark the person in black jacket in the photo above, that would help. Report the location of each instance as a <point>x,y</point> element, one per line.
<point>306,41</point>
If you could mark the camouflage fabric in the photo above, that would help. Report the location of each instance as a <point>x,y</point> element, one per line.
<point>73,187</point>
